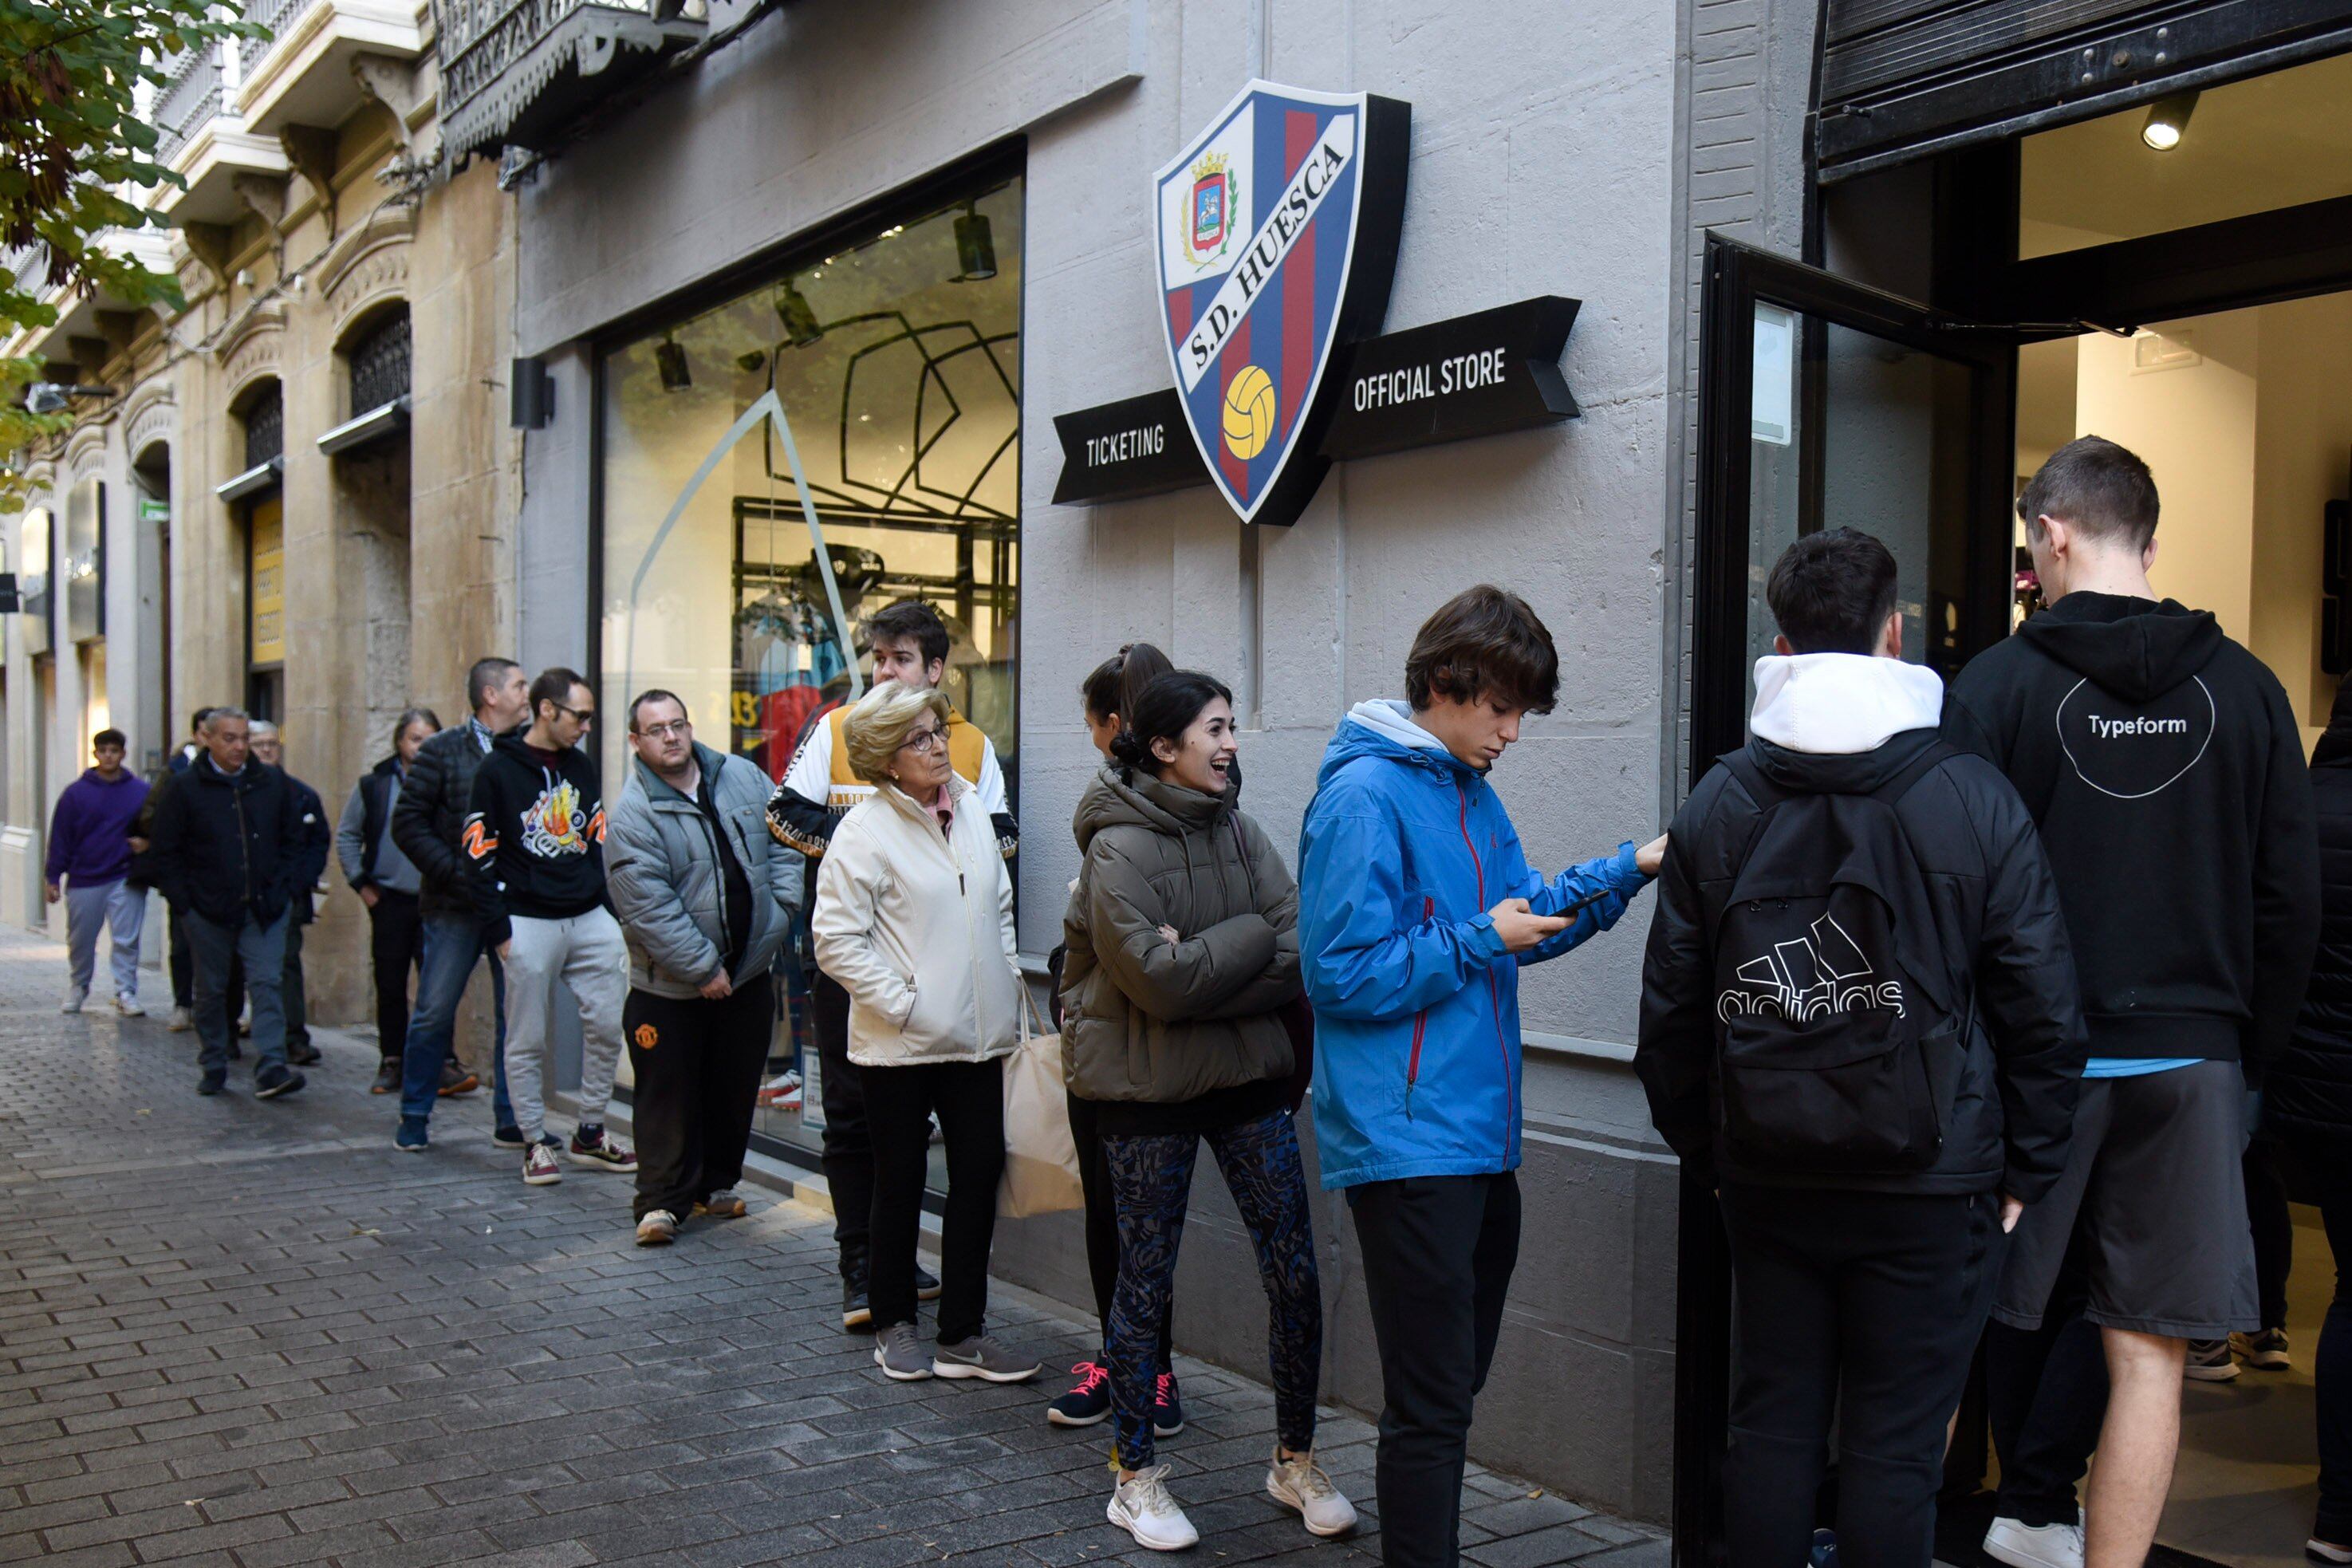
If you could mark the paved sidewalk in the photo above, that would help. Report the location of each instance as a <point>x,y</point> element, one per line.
<point>239,1334</point>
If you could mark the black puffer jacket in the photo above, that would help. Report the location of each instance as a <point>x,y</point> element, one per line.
<point>2308,1091</point>
<point>431,813</point>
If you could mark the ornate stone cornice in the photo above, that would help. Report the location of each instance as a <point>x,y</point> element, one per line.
<point>369,264</point>
<point>254,351</point>
<point>151,414</point>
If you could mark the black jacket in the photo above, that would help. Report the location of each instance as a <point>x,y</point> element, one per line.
<point>309,852</point>
<point>142,874</point>
<point>231,848</point>
<point>2164,768</point>
<point>1998,924</point>
<point>431,814</point>
<point>2308,1091</point>
<point>375,789</point>
<point>534,836</point>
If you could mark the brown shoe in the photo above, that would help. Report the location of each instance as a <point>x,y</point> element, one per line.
<point>456,1080</point>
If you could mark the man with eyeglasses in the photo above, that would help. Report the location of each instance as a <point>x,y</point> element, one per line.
<point>910,644</point>
<point>534,838</point>
<point>705,896</point>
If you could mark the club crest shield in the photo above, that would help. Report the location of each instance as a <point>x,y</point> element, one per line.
<point>1277,238</point>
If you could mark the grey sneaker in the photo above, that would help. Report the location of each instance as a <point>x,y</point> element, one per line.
<point>74,999</point>
<point>899,1353</point>
<point>982,1357</point>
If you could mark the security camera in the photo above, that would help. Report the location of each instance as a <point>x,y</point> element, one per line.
<point>55,397</point>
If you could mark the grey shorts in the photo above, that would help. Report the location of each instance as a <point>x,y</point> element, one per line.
<point>2153,1177</point>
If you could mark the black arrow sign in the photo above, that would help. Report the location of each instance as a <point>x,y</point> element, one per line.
<point>1480,374</point>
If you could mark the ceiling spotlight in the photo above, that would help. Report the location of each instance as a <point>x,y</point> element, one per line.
<point>975,248</point>
<point>669,360</point>
<point>2168,120</point>
<point>798,315</point>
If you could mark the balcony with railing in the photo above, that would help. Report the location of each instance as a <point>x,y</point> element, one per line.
<point>513,72</point>
<point>201,137</point>
<point>191,97</point>
<point>303,75</point>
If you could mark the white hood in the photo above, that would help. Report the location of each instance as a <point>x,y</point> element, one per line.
<point>1837,704</point>
<point>1390,717</point>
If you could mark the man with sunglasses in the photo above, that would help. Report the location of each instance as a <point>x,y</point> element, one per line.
<point>705,896</point>
<point>535,841</point>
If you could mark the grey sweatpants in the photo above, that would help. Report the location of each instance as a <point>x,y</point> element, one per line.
<point>119,908</point>
<point>588,954</point>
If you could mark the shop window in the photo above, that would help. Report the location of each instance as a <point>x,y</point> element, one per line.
<point>895,359</point>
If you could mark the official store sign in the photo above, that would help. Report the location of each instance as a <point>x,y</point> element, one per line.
<point>1277,241</point>
<point>1276,235</point>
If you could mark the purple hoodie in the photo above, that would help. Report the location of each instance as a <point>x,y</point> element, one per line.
<point>89,842</point>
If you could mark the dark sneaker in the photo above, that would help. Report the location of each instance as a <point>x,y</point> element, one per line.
<point>605,1151</point>
<point>212,1083</point>
<point>856,1311</point>
<point>508,1137</point>
<point>411,1139</point>
<point>2265,1352</point>
<point>1824,1554</point>
<point>235,1053</point>
<point>899,1353</point>
<point>457,1080</point>
<point>2318,1550</point>
<point>1088,1400</point>
<point>2208,1361</point>
<point>267,1085</point>
<point>303,1054</point>
<point>982,1357</point>
<point>926,1284</point>
<point>658,1228</point>
<point>387,1077</point>
<point>727,1204</point>
<point>1167,1406</point>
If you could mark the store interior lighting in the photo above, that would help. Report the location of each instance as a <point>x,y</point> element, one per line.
<point>975,246</point>
<point>798,315</point>
<point>2167,121</point>
<point>669,360</point>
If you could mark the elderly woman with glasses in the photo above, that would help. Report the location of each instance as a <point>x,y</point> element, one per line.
<point>914,917</point>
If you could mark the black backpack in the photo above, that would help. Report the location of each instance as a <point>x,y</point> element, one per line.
<point>1832,1056</point>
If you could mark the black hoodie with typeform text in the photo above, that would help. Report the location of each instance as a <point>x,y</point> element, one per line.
<point>534,835</point>
<point>2163,766</point>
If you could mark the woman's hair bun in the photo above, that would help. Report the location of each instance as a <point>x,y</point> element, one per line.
<point>1128,747</point>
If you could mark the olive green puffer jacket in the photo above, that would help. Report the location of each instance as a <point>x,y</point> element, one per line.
<point>1148,1020</point>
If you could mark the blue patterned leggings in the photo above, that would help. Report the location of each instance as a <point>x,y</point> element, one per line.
<point>1152,1178</point>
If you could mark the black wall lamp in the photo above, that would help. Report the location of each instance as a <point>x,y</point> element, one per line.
<point>669,360</point>
<point>799,317</point>
<point>975,246</point>
<point>2168,120</point>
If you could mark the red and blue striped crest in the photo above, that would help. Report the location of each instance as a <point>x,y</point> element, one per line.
<point>1265,274</point>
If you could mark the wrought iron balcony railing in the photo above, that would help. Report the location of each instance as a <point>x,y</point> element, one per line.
<point>191,97</point>
<point>514,71</point>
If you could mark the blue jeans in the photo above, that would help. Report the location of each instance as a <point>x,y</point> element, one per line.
<point>448,946</point>
<point>263,949</point>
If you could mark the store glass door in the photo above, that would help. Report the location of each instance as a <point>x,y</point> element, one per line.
<point>1824,404</point>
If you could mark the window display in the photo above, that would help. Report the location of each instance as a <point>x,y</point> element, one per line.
<point>895,363</point>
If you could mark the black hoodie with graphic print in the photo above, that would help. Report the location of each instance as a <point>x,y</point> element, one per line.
<point>534,835</point>
<point>2163,766</point>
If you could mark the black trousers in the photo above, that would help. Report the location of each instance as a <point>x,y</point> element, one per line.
<point>1102,1225</point>
<point>2046,1397</point>
<point>183,960</point>
<point>697,1065</point>
<point>1861,1308</point>
<point>969,1098</point>
<point>849,1155</point>
<point>1438,1255</point>
<point>2273,1229</point>
<point>2324,1169</point>
<point>397,944</point>
<point>291,991</point>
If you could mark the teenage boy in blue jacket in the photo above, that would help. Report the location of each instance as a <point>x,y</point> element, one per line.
<point>1417,908</point>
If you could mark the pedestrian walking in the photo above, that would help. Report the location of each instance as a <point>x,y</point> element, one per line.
<point>1101,698</point>
<point>2164,769</point>
<point>179,957</point>
<point>535,838</point>
<point>914,920</point>
<point>705,896</point>
<point>228,843</point>
<point>428,821</point>
<point>310,864</point>
<point>86,865</point>
<point>387,882</point>
<point>910,644</point>
<point>1859,1027</point>
<point>1184,947</point>
<point>1417,909</point>
<point>2307,1107</point>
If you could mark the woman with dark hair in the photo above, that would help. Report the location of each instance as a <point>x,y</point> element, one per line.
<point>1183,948</point>
<point>387,882</point>
<point>2307,1107</point>
<point>1103,695</point>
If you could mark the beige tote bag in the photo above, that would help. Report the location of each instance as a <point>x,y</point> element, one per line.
<point>1041,1157</point>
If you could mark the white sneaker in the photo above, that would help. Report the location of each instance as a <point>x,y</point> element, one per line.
<point>2025,1546</point>
<point>539,1166</point>
<point>128,1007</point>
<point>74,999</point>
<point>1144,1509</point>
<point>182,1021</point>
<point>2319,1551</point>
<point>1300,1483</point>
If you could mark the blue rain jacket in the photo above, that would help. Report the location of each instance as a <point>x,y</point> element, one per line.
<point>1416,1002</point>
